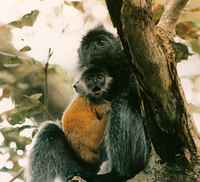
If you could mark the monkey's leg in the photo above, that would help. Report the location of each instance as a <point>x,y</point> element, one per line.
<point>127,146</point>
<point>52,157</point>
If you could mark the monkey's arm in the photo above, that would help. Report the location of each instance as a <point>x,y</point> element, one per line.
<point>84,130</point>
<point>90,141</point>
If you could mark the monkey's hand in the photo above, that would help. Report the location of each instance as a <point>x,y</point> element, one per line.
<point>76,179</point>
<point>106,116</point>
<point>108,112</point>
<point>101,109</point>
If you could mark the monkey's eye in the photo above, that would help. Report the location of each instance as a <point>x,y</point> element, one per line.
<point>88,79</point>
<point>100,77</point>
<point>102,42</point>
<point>86,46</point>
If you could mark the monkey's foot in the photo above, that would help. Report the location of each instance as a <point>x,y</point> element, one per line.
<point>76,179</point>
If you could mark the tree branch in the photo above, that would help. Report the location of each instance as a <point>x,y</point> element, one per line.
<point>19,173</point>
<point>46,85</point>
<point>31,60</point>
<point>166,112</point>
<point>170,16</point>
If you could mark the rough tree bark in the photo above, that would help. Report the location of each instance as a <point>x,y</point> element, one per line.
<point>152,58</point>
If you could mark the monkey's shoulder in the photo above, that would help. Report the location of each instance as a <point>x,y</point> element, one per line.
<point>82,107</point>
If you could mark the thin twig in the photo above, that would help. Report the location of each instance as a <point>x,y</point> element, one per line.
<point>19,173</point>
<point>31,60</point>
<point>46,85</point>
<point>171,14</point>
<point>64,29</point>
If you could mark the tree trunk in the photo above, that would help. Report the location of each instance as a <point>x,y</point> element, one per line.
<point>149,48</point>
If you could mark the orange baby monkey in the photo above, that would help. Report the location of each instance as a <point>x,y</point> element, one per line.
<point>85,119</point>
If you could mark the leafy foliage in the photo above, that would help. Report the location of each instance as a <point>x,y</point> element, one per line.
<point>25,49</point>
<point>13,62</point>
<point>11,136</point>
<point>188,30</point>
<point>157,10</point>
<point>27,20</point>
<point>76,4</point>
<point>182,51</point>
<point>22,79</point>
<point>27,108</point>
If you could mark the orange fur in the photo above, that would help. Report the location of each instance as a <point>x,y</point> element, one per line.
<point>84,125</point>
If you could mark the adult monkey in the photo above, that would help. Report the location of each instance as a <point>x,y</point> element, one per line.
<point>127,145</point>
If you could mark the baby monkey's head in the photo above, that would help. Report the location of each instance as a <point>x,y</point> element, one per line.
<point>94,84</point>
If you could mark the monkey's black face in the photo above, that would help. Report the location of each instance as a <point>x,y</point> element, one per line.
<point>94,85</point>
<point>96,50</point>
<point>98,46</point>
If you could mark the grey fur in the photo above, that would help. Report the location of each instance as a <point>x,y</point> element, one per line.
<point>51,156</point>
<point>126,145</point>
<point>125,141</point>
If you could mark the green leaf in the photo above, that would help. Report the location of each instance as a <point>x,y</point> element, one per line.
<point>13,62</point>
<point>157,10</point>
<point>36,96</point>
<point>29,103</point>
<point>29,19</point>
<point>76,4</point>
<point>21,128</point>
<point>15,118</point>
<point>17,24</point>
<point>27,108</point>
<point>34,132</point>
<point>35,110</point>
<point>25,49</point>
<point>11,134</point>
<point>182,51</point>
<point>188,30</point>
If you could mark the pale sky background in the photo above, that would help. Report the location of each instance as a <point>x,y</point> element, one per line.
<point>47,33</point>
